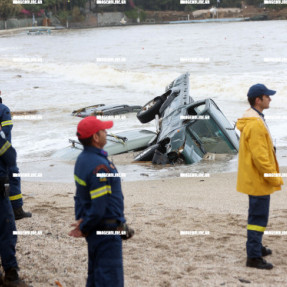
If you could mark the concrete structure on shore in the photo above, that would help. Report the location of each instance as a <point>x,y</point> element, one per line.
<point>14,23</point>
<point>91,20</point>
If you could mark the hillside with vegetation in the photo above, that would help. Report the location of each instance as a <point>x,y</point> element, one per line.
<point>76,10</point>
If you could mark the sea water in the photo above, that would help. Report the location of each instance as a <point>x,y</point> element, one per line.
<point>54,75</point>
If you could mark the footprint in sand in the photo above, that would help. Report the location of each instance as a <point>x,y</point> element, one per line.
<point>29,198</point>
<point>190,269</point>
<point>162,246</point>
<point>165,284</point>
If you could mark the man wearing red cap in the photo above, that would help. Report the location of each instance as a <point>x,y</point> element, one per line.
<point>99,206</point>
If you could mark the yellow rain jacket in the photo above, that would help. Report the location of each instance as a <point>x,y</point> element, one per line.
<point>256,157</point>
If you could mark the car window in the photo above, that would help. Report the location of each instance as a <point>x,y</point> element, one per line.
<point>225,124</point>
<point>211,137</point>
<point>200,109</point>
<point>197,110</point>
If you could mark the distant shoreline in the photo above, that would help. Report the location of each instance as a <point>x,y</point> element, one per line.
<point>4,32</point>
<point>166,17</point>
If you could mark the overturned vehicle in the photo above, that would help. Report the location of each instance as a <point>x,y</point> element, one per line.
<point>187,129</point>
<point>103,110</point>
<point>121,142</point>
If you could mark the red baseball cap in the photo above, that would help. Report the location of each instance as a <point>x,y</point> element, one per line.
<point>90,125</point>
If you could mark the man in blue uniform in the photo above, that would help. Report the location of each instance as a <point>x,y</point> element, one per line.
<point>99,206</point>
<point>7,221</point>
<point>15,182</point>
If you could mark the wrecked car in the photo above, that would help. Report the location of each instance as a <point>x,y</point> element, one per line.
<point>187,129</point>
<point>103,110</point>
<point>122,142</point>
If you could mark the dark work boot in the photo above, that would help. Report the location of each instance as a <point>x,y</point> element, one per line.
<point>12,279</point>
<point>19,213</point>
<point>259,263</point>
<point>266,251</point>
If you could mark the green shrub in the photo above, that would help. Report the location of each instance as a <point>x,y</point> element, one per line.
<point>76,15</point>
<point>63,16</point>
<point>135,13</point>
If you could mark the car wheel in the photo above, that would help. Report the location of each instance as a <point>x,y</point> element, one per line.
<point>149,110</point>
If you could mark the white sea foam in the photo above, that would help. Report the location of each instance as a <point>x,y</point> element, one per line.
<point>69,76</point>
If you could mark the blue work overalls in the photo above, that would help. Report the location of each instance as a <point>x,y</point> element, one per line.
<point>7,221</point>
<point>15,182</point>
<point>258,214</point>
<point>99,200</point>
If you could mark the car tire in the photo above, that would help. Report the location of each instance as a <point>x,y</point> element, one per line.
<point>149,110</point>
<point>147,154</point>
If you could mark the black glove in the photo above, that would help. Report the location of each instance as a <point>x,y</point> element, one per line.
<point>126,231</point>
<point>4,187</point>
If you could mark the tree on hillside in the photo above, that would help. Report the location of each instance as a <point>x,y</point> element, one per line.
<point>55,5</point>
<point>33,8</point>
<point>162,5</point>
<point>8,9</point>
<point>50,5</point>
<point>253,2</point>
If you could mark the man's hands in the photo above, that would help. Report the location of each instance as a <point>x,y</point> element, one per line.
<point>129,232</point>
<point>76,232</point>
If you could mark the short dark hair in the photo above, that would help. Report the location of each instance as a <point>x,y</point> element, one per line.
<point>87,141</point>
<point>252,100</point>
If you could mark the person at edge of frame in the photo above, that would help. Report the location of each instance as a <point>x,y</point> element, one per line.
<point>256,160</point>
<point>7,222</point>
<point>99,206</point>
<point>15,182</point>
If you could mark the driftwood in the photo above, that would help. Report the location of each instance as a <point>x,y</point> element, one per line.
<point>22,113</point>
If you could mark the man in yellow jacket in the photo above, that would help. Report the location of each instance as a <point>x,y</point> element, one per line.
<point>256,161</point>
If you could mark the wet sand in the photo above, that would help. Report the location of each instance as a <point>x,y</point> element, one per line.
<point>157,255</point>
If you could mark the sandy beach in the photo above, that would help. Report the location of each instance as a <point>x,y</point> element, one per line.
<point>74,68</point>
<point>157,255</point>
